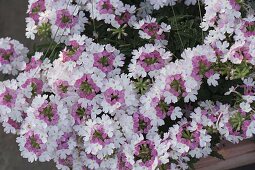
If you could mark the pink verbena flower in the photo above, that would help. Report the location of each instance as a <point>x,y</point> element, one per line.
<point>67,162</point>
<point>151,61</point>
<point>65,19</point>
<point>242,53</point>
<point>80,114</point>
<point>152,29</point>
<point>104,61</point>
<point>34,143</point>
<point>48,113</point>
<point>7,55</point>
<point>105,7</point>
<point>123,163</point>
<point>176,85</point>
<point>35,84</point>
<point>114,96</point>
<point>201,68</point>
<point>248,28</point>
<point>62,142</point>
<point>187,137</point>
<point>99,136</point>
<point>34,63</point>
<point>146,152</point>
<point>73,51</point>
<point>35,9</point>
<point>141,124</point>
<point>235,5</point>
<point>123,18</point>
<point>8,97</point>
<point>162,108</point>
<point>86,87</point>
<point>94,158</point>
<point>249,89</point>
<point>15,124</point>
<point>62,87</point>
<point>238,123</point>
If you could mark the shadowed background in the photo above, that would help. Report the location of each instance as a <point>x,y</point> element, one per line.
<point>12,24</point>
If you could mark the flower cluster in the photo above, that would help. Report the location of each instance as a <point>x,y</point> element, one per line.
<point>57,19</point>
<point>13,56</point>
<point>95,104</point>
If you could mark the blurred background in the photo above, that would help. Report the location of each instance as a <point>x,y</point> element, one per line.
<point>12,24</point>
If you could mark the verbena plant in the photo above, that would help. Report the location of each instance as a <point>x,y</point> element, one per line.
<point>113,84</point>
